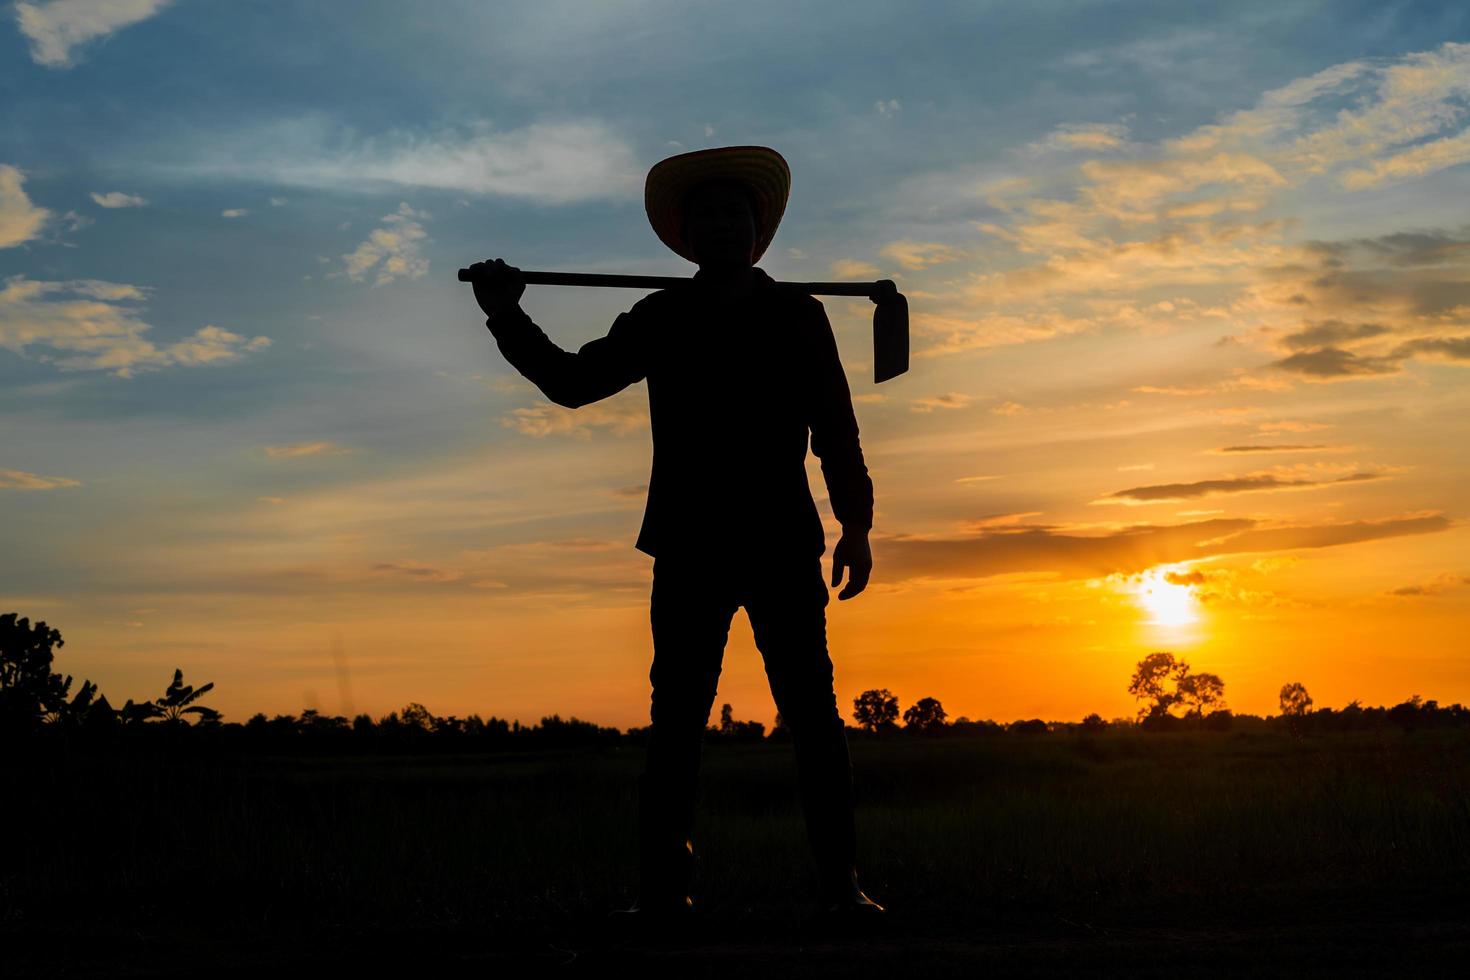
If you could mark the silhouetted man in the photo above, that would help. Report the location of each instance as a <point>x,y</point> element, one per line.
<point>739,371</point>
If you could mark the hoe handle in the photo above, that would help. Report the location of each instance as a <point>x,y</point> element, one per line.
<point>872,289</point>
<point>890,314</point>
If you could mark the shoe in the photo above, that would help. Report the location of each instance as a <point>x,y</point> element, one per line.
<point>672,909</point>
<point>662,921</point>
<point>841,896</point>
<point>665,873</point>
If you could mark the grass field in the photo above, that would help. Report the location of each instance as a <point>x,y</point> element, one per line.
<point>1146,854</point>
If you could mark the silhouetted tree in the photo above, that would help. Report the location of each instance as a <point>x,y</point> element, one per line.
<point>731,728</point>
<point>876,709</point>
<point>87,710</point>
<point>179,700</point>
<point>415,716</point>
<point>136,713</point>
<point>1198,692</point>
<point>1295,701</point>
<point>29,690</point>
<point>925,714</point>
<point>554,731</point>
<point>90,710</point>
<point>313,722</point>
<point>964,726</point>
<point>1407,714</point>
<point>1151,683</point>
<point>1219,720</point>
<point>779,731</point>
<point>1093,723</point>
<point>450,725</point>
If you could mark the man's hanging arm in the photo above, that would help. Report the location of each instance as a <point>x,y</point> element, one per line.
<point>835,437</point>
<point>835,442</point>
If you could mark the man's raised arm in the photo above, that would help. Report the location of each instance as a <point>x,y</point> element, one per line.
<point>600,368</point>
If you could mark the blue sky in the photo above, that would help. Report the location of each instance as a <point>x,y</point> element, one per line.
<point>239,384</point>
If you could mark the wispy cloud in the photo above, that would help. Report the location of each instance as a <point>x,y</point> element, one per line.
<point>918,255</point>
<point>1127,550</point>
<point>1440,583</point>
<point>551,162</point>
<point>1175,492</point>
<point>622,414</point>
<point>118,199</point>
<point>21,480</point>
<point>234,212</point>
<point>1280,448</point>
<point>1242,382</point>
<point>633,492</point>
<point>55,29</point>
<point>20,220</point>
<point>1082,136</point>
<point>1010,522</point>
<point>87,325</point>
<point>1198,215</point>
<point>1336,364</point>
<point>296,450</point>
<point>392,250</point>
<point>950,399</point>
<point>417,571</point>
<point>1290,425</point>
<point>855,269</point>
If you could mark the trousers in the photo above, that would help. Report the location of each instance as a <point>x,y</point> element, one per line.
<point>692,605</point>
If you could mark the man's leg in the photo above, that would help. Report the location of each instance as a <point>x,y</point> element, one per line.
<point>690,616</point>
<point>787,609</point>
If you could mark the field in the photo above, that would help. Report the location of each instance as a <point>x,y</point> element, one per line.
<point>1216,854</point>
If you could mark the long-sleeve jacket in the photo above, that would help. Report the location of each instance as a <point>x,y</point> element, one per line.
<point>734,388</point>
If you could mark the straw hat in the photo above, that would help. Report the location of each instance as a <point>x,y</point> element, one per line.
<point>761,169</point>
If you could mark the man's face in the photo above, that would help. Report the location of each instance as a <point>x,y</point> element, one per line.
<point>719,225</point>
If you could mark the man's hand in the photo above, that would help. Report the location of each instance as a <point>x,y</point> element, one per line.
<point>498,287</point>
<point>852,552</point>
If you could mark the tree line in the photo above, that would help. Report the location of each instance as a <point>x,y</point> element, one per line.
<point>1171,695</point>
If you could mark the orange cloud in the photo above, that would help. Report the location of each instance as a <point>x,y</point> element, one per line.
<point>950,399</point>
<point>918,255</point>
<point>296,450</point>
<point>1175,492</point>
<point>1126,550</point>
<point>621,414</point>
<point>1281,448</point>
<point>1440,583</point>
<point>21,480</point>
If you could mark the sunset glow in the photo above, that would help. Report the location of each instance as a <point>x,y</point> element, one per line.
<point>1167,601</point>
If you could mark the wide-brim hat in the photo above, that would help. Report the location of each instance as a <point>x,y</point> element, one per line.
<point>760,169</point>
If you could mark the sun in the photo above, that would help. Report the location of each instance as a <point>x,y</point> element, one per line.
<point>1168,603</point>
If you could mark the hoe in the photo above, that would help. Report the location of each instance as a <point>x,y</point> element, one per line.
<point>890,312</point>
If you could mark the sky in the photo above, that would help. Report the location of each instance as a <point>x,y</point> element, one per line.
<point>1190,294</point>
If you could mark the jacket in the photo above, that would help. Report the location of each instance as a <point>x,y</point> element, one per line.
<point>734,390</point>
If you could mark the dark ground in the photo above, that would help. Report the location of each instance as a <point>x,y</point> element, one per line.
<point>1201,854</point>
